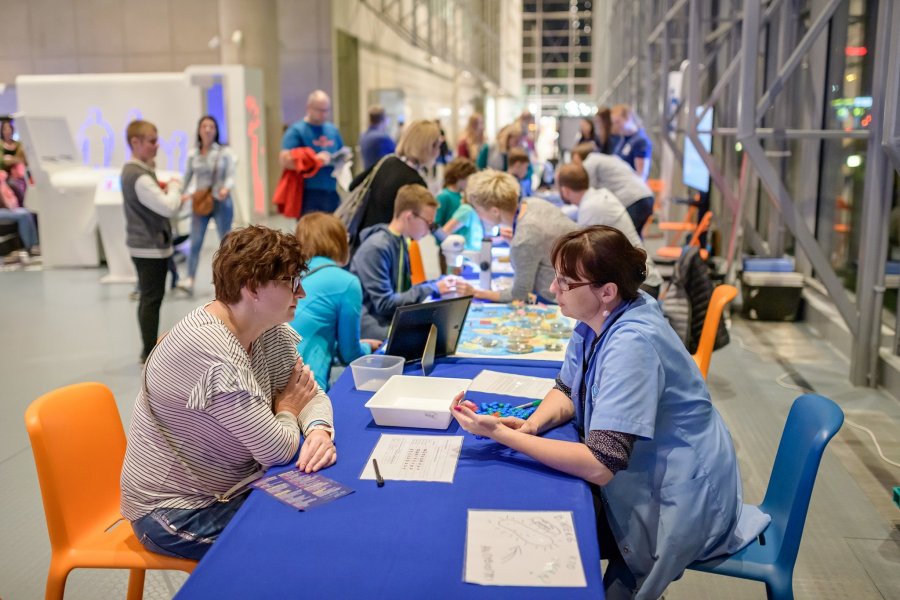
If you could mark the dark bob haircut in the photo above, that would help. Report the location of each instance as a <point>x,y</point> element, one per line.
<point>601,255</point>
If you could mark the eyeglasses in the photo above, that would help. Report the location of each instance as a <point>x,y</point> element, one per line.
<point>296,282</point>
<point>432,226</point>
<point>565,286</point>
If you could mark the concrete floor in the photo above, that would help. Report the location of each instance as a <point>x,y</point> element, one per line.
<point>62,326</point>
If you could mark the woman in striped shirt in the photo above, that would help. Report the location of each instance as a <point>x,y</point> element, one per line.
<point>224,396</point>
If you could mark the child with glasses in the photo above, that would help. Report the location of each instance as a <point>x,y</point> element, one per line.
<point>383,267</point>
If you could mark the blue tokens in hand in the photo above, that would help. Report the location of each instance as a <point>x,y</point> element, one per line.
<point>504,409</point>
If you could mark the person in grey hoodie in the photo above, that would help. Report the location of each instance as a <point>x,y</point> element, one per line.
<point>383,267</point>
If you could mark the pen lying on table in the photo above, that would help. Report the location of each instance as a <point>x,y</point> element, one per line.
<point>378,478</point>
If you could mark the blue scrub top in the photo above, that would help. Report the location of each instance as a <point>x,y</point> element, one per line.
<point>679,500</point>
<point>327,318</point>
<point>636,145</point>
<point>318,137</point>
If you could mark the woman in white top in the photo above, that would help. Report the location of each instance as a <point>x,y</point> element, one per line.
<point>213,166</point>
<point>224,396</point>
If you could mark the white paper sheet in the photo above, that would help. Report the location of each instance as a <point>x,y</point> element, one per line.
<point>507,384</point>
<point>522,548</point>
<point>415,458</point>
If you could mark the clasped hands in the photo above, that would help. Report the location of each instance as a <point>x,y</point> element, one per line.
<point>485,425</point>
<point>318,449</point>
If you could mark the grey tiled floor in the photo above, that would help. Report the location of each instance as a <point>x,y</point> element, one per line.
<point>61,327</point>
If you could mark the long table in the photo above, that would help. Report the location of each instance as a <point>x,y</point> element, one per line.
<point>405,540</point>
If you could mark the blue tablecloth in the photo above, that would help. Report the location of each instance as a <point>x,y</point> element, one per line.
<point>405,540</point>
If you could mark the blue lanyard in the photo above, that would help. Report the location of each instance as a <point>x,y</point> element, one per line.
<point>516,216</point>
<point>587,356</point>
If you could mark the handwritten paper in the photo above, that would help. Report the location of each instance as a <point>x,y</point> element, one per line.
<point>302,490</point>
<point>507,384</point>
<point>415,457</point>
<point>522,548</point>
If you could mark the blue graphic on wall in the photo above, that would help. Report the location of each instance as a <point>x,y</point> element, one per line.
<point>175,149</point>
<point>215,105</point>
<point>97,142</point>
<point>96,139</point>
<point>133,115</point>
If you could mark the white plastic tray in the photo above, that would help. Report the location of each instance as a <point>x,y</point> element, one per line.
<point>411,401</point>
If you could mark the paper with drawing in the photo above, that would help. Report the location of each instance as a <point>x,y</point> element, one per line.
<point>523,548</point>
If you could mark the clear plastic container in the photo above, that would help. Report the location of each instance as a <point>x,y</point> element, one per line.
<point>372,371</point>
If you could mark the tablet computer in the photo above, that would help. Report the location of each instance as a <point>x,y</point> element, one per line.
<point>412,324</point>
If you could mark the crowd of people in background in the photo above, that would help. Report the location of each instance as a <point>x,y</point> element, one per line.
<point>413,187</point>
<point>254,364</point>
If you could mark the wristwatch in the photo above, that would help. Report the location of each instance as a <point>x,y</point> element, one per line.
<point>321,426</point>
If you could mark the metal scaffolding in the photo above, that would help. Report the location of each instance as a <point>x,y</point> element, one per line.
<point>764,67</point>
<point>462,33</point>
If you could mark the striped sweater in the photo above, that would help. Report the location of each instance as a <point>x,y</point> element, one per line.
<point>213,402</point>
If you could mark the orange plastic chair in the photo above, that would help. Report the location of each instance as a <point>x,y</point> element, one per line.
<point>685,226</point>
<point>79,446</point>
<point>722,295</point>
<point>656,186</point>
<point>671,253</point>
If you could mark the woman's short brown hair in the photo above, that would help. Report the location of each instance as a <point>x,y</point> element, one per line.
<point>490,188</point>
<point>457,170</point>
<point>601,255</point>
<point>323,234</point>
<point>419,141</point>
<point>253,256</point>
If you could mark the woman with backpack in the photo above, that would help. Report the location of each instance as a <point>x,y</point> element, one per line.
<point>328,317</point>
<point>417,152</point>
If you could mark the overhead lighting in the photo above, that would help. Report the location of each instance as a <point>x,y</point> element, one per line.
<point>851,77</point>
<point>854,160</point>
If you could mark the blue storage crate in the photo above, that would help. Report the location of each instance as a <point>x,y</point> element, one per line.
<point>756,264</point>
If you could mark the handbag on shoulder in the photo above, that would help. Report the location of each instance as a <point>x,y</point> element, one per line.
<point>202,200</point>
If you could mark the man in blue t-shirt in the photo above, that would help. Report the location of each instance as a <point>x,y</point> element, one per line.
<point>316,132</point>
<point>375,143</point>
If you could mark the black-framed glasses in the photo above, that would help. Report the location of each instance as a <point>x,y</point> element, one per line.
<point>296,282</point>
<point>432,226</point>
<point>565,286</point>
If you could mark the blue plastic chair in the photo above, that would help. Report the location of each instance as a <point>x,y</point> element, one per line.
<point>770,558</point>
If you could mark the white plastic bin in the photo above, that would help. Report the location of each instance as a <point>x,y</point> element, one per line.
<point>372,371</point>
<point>412,401</point>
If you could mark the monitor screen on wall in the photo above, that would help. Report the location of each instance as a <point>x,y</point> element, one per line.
<point>694,174</point>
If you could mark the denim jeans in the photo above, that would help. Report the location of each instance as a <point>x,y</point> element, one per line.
<point>25,222</point>
<point>223,213</point>
<point>639,212</point>
<point>185,533</point>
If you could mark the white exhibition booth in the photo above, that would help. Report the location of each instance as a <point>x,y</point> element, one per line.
<point>73,129</point>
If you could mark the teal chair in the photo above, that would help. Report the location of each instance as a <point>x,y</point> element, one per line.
<point>770,558</point>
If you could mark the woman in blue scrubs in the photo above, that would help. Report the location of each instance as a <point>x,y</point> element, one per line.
<point>656,451</point>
